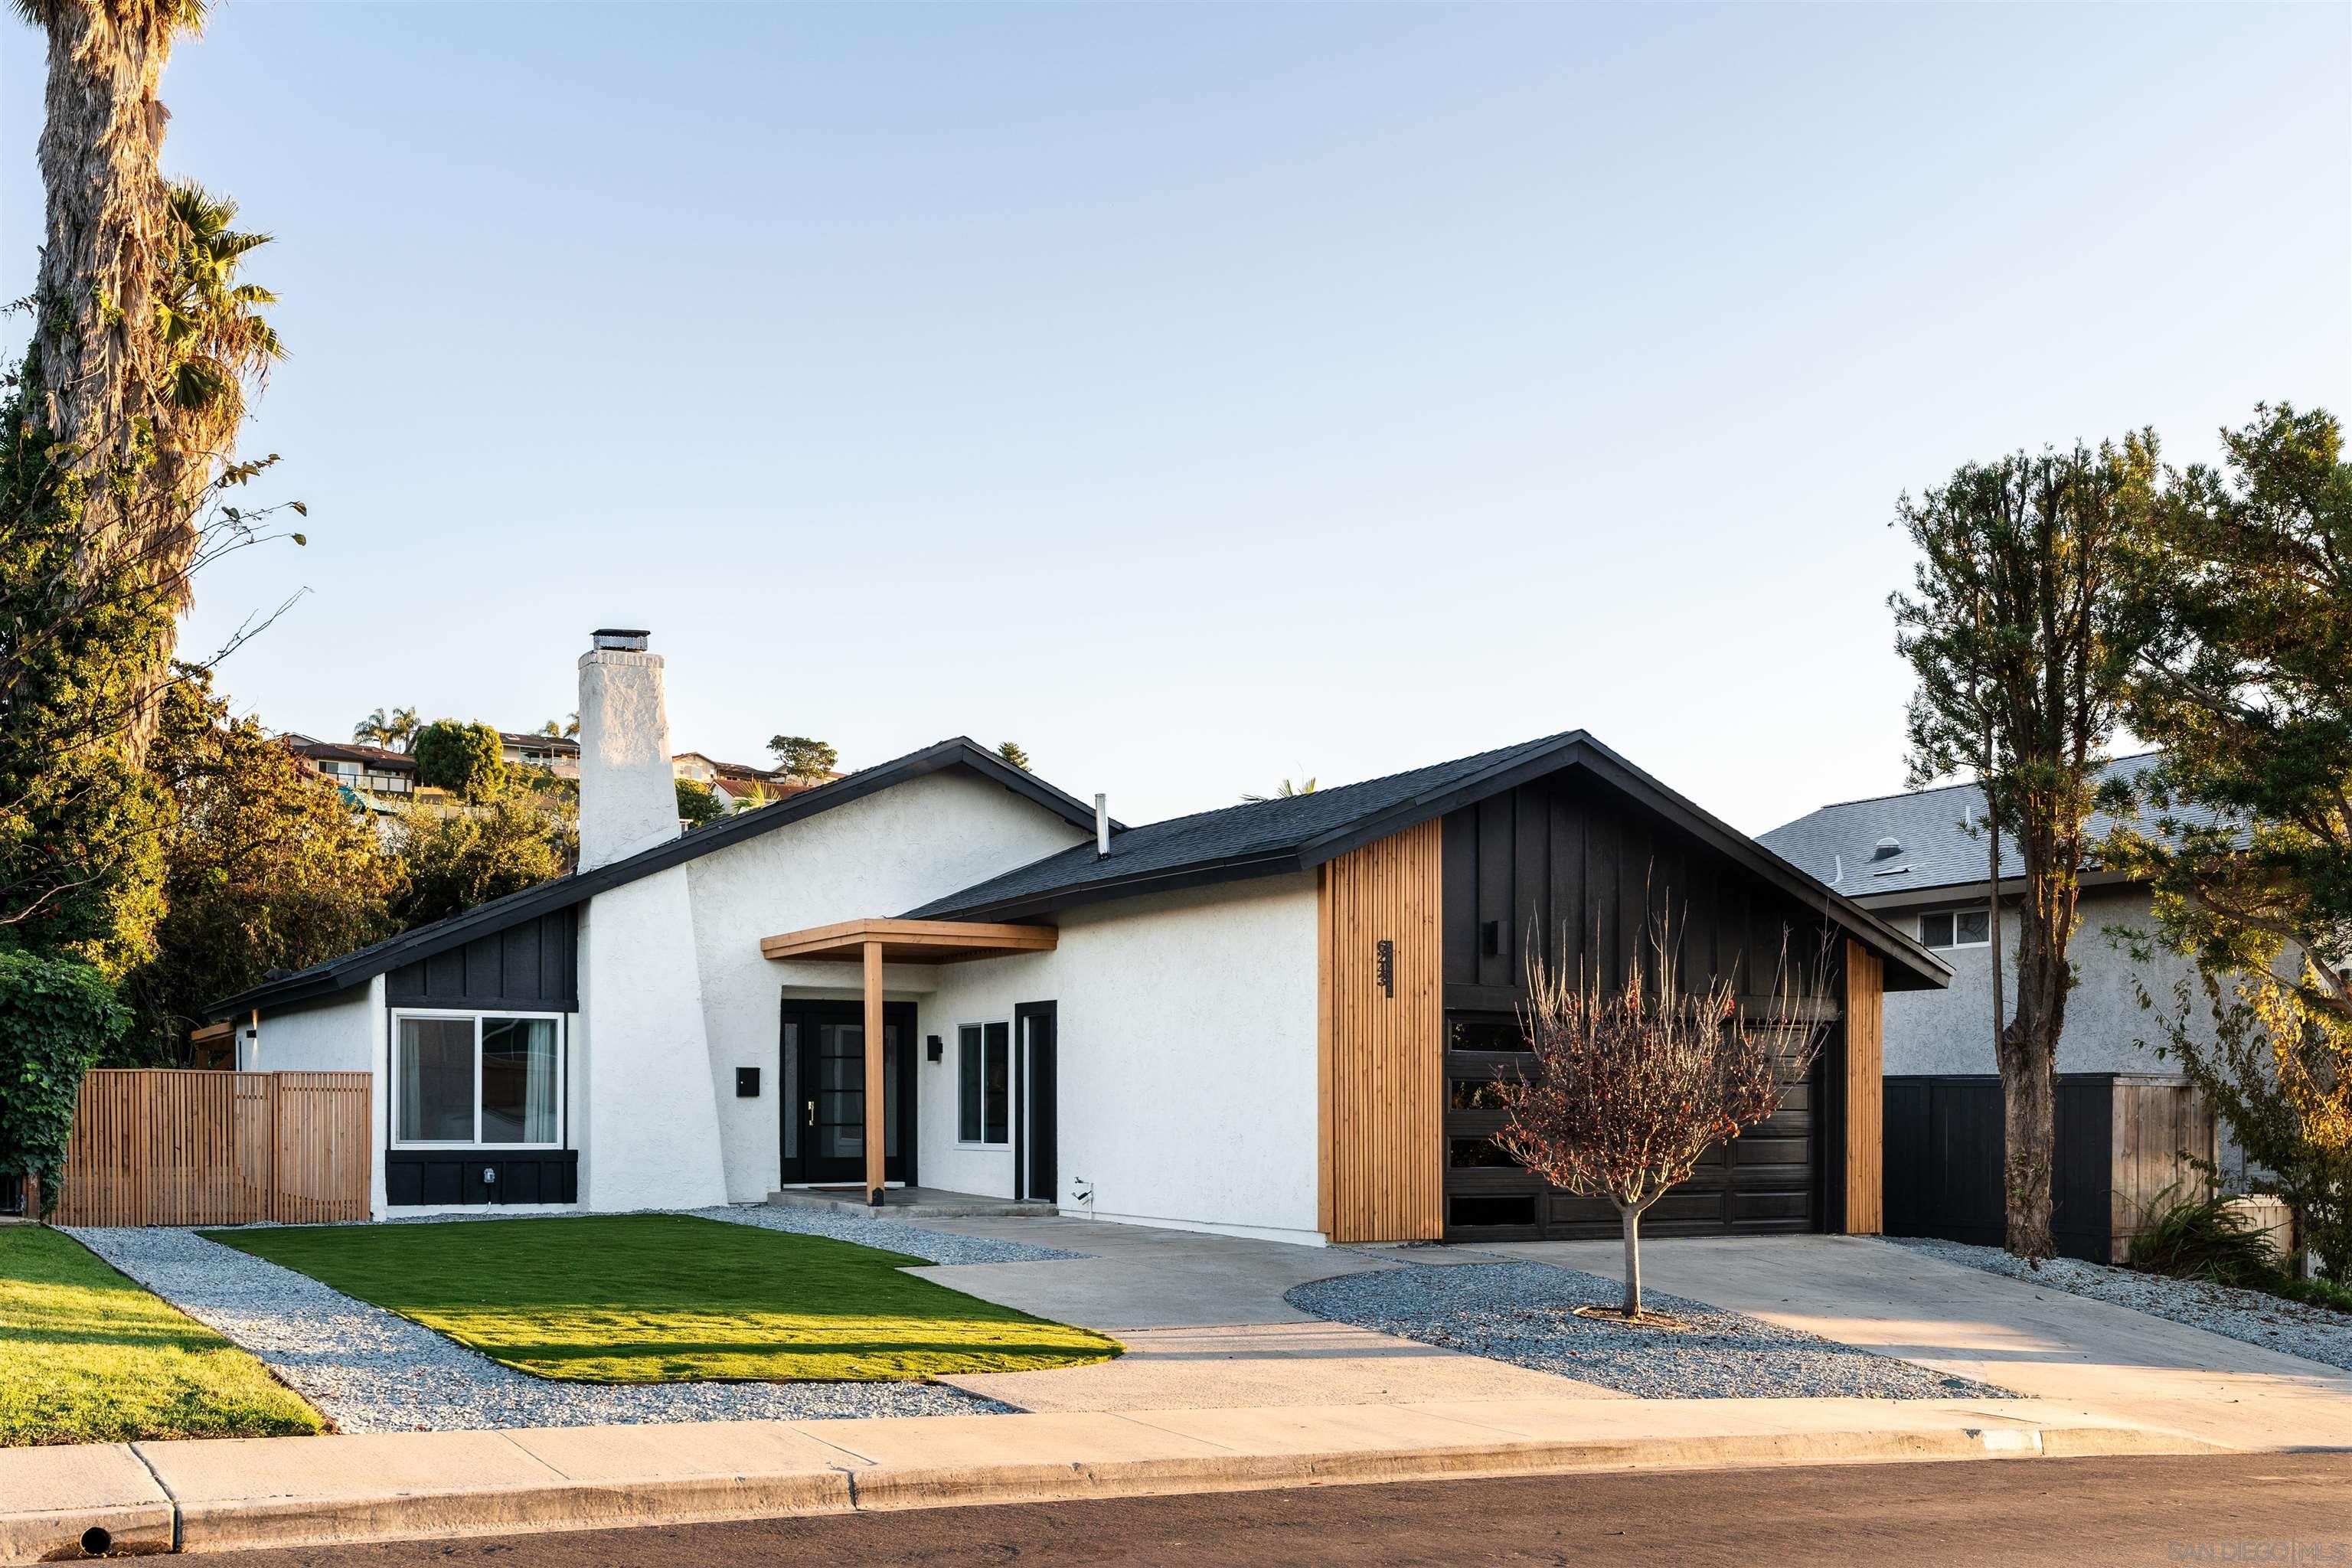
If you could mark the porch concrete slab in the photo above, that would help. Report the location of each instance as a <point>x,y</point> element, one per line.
<point>50,1497</point>
<point>1268,1365</point>
<point>2042,1343</point>
<point>1134,1276</point>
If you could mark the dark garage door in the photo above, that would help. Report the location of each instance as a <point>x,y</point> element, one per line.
<point>1764,1183</point>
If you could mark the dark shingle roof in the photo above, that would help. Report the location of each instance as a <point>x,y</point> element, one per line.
<point>1301,832</point>
<point>1235,838</point>
<point>1839,844</point>
<point>364,964</point>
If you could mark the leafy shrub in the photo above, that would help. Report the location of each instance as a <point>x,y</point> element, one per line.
<point>2193,1237</point>
<point>55,1016</point>
<point>2313,1292</point>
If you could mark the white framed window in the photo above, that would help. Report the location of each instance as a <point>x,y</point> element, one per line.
<point>477,1080</point>
<point>984,1086</point>
<point>1955,928</point>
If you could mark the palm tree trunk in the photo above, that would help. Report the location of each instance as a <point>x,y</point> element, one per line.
<point>96,359</point>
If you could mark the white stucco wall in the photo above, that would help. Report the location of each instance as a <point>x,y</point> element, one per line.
<point>880,856</point>
<point>344,1035</point>
<point>1186,1057</point>
<point>650,1134</point>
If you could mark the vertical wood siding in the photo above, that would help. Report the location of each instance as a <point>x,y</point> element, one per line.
<point>155,1147</point>
<point>1865,1099</point>
<point>1381,1077</point>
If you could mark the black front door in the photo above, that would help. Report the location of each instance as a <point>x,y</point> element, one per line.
<point>1039,1136</point>
<point>821,1079</point>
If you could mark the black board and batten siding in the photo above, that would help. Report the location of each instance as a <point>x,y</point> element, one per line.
<point>531,966</point>
<point>1570,868</point>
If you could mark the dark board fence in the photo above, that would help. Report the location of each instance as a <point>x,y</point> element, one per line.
<point>2123,1138</point>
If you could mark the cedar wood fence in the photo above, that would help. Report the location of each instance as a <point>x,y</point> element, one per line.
<point>172,1147</point>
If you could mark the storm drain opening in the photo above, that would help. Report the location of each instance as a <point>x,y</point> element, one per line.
<point>96,1541</point>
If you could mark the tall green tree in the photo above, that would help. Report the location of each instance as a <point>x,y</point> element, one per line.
<point>2244,828</point>
<point>804,758</point>
<point>2018,633</point>
<point>1014,752</point>
<point>698,802</point>
<point>466,758</point>
<point>449,864</point>
<point>266,866</point>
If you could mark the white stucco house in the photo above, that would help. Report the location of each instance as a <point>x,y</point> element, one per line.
<point>1273,1020</point>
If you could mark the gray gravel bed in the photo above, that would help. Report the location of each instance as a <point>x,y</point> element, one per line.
<point>889,1235</point>
<point>1524,1313</point>
<point>2315,1333</point>
<point>369,1369</point>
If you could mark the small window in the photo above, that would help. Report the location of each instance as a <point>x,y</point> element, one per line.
<point>1496,1210</point>
<point>1475,1094</point>
<point>984,1084</point>
<point>1955,928</point>
<point>1489,1032</point>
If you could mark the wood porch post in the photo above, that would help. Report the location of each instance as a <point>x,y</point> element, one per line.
<point>873,1079</point>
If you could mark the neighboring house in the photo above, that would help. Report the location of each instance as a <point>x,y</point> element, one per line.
<point>739,786</point>
<point>362,769</point>
<point>558,755</point>
<point>1278,1019</point>
<point>1913,859</point>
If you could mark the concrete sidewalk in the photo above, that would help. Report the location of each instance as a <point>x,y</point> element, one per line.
<point>225,1494</point>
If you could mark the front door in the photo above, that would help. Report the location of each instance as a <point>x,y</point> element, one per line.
<point>821,1074</point>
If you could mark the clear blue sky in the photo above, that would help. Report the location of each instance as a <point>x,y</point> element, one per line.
<point>1204,394</point>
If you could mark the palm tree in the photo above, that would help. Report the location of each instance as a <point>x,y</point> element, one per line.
<point>100,378</point>
<point>1284,791</point>
<point>214,338</point>
<point>395,729</point>
<point>562,729</point>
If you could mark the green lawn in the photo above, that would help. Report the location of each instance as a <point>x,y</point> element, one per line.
<point>86,1356</point>
<point>669,1298</point>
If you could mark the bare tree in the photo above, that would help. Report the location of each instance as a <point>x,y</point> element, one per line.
<point>1632,1086</point>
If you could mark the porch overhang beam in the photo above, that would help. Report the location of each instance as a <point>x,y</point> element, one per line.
<point>908,941</point>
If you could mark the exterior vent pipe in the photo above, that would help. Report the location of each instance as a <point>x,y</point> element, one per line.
<point>1102,827</point>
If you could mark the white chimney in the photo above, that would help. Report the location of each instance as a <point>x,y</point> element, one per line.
<point>628,799</point>
<point>1102,826</point>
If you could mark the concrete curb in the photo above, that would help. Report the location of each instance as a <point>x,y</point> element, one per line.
<point>160,1522</point>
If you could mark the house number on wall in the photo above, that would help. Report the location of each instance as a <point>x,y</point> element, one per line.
<point>1384,964</point>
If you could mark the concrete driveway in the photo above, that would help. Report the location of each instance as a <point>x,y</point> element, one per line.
<point>1205,1327</point>
<point>2039,1342</point>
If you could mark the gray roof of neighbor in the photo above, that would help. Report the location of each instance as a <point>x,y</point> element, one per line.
<point>1840,844</point>
<point>1300,832</point>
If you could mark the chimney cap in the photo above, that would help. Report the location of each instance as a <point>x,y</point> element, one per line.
<point>620,638</point>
